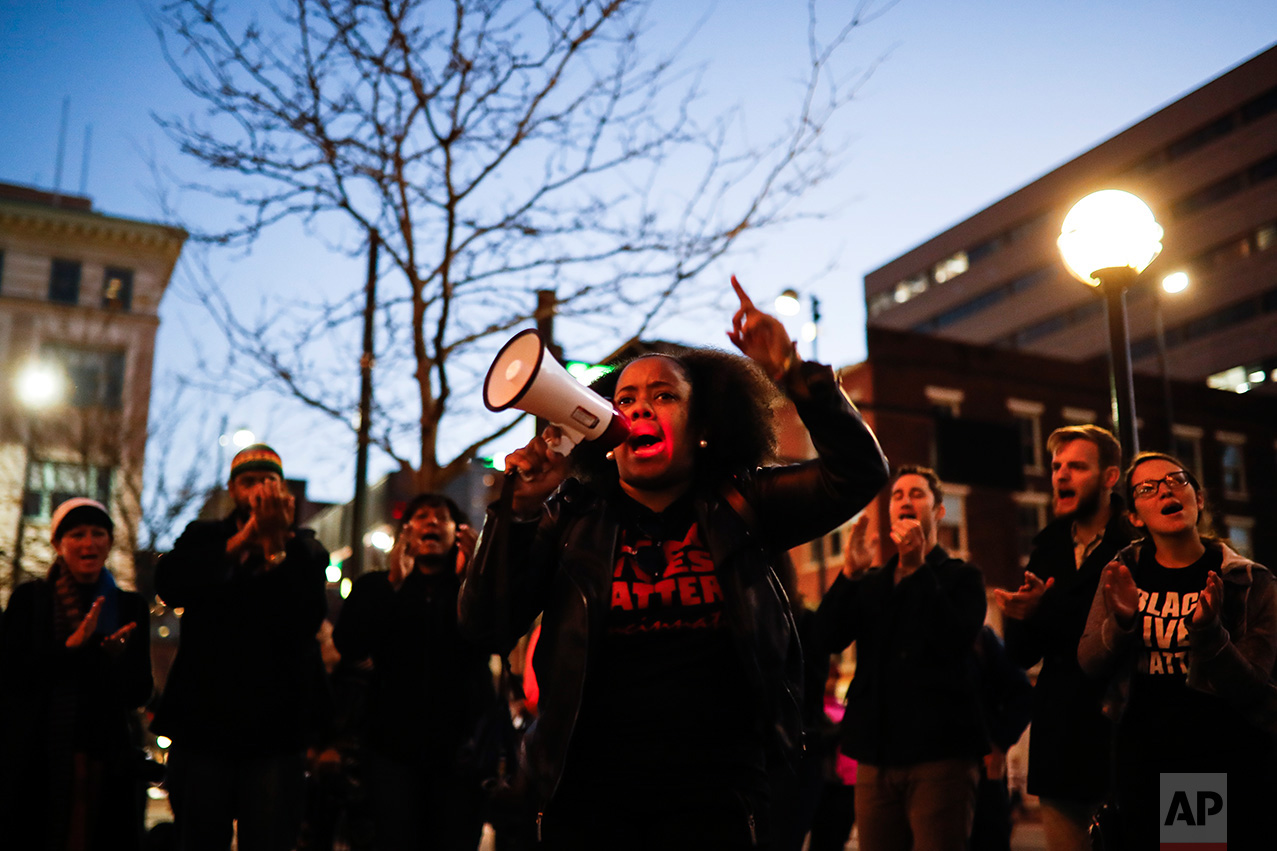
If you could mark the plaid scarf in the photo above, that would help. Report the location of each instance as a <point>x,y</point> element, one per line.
<point>68,611</point>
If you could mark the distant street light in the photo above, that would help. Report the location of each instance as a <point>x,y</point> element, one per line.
<point>1175,282</point>
<point>789,303</point>
<point>40,385</point>
<point>1108,239</point>
<point>243,437</point>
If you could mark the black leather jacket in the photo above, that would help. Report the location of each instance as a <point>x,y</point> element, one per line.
<point>561,565</point>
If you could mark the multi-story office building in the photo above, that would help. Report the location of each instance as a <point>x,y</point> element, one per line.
<point>1206,165</point>
<point>79,297</point>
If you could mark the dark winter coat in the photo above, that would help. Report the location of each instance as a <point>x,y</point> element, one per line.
<point>1071,744</point>
<point>248,672</point>
<point>914,697</point>
<point>561,565</point>
<point>37,672</point>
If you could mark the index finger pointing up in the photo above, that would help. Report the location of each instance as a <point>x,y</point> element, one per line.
<point>740,293</point>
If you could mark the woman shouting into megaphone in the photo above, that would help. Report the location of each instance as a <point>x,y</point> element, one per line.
<point>668,663</point>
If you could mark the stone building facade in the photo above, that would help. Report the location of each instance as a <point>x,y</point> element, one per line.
<point>79,300</point>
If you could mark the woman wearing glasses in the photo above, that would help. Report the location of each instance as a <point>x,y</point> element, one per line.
<point>1185,630</point>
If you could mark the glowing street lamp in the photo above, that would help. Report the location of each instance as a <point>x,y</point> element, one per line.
<point>40,385</point>
<point>1108,239</point>
<point>788,303</point>
<point>1175,282</point>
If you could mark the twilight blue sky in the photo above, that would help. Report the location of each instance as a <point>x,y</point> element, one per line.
<point>972,101</point>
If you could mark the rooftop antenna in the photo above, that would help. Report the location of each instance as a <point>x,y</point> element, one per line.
<point>84,161</point>
<point>62,145</point>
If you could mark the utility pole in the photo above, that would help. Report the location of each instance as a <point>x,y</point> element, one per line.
<point>359,505</point>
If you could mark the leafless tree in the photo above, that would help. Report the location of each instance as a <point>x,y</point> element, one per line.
<point>498,147</point>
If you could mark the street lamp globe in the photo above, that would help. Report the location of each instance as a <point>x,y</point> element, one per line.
<point>243,437</point>
<point>787,303</point>
<point>1175,282</point>
<point>40,385</point>
<point>1110,229</point>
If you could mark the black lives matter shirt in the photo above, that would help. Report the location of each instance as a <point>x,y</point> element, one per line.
<point>1164,712</point>
<point>666,705</point>
<point>1170,728</point>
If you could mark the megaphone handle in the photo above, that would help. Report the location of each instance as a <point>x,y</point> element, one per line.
<point>564,441</point>
<point>507,485</point>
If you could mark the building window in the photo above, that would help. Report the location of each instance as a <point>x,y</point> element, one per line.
<point>952,533</point>
<point>1240,534</point>
<point>64,282</point>
<point>944,401</point>
<point>1078,416</point>
<point>1030,518</point>
<point>1188,448</point>
<point>910,287</point>
<point>1265,237</point>
<point>117,288</point>
<point>1232,463</point>
<point>880,302</point>
<point>96,377</point>
<point>50,483</point>
<point>950,267</point>
<point>1028,416</point>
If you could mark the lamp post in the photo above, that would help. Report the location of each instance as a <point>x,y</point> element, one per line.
<point>1176,282</point>
<point>788,303</point>
<point>1108,239</point>
<point>39,386</point>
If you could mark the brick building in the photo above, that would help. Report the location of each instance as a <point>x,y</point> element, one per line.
<point>981,416</point>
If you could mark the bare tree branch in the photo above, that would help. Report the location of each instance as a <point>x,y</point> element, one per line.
<point>500,148</point>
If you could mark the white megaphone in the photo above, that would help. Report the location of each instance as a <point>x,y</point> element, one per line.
<point>524,377</point>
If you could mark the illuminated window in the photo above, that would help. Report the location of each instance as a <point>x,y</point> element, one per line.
<point>1240,379</point>
<point>1265,237</point>
<point>950,267</point>
<point>117,288</point>
<point>910,287</point>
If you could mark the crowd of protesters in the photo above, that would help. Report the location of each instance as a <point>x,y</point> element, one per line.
<point>684,698</point>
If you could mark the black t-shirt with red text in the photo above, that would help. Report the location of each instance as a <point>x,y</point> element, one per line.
<point>666,703</point>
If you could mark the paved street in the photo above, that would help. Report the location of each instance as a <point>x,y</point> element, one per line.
<point>1027,835</point>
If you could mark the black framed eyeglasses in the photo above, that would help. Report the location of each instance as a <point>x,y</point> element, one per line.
<point>1175,481</point>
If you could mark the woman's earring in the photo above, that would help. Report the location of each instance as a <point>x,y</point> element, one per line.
<point>611,455</point>
<point>704,443</point>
